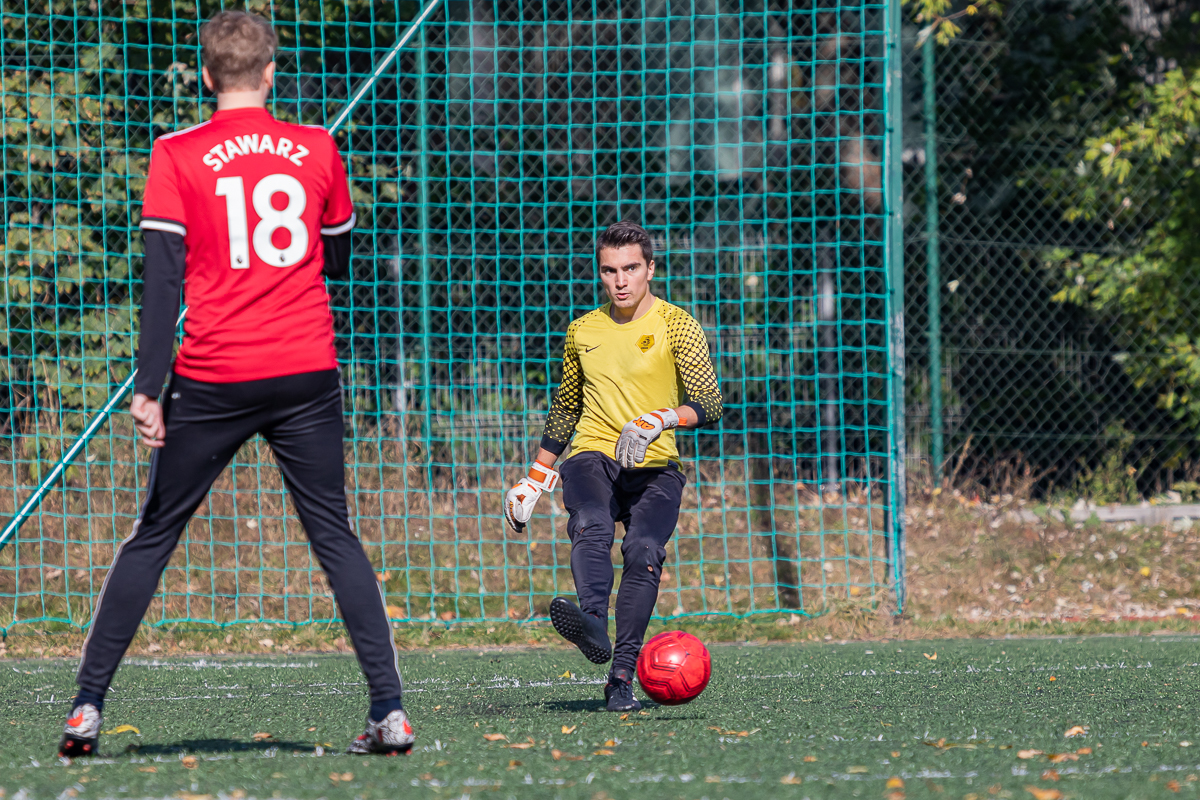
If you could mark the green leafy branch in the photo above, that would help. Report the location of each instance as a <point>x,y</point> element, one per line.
<point>1174,108</point>
<point>941,25</point>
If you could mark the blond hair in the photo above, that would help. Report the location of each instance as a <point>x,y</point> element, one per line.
<point>236,47</point>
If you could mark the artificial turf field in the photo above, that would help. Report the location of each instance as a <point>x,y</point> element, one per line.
<point>810,720</point>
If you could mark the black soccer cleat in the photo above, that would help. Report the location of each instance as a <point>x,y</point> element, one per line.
<point>81,735</point>
<point>588,633</point>
<point>618,694</point>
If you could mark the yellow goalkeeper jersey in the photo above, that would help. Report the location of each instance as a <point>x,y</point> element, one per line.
<point>614,373</point>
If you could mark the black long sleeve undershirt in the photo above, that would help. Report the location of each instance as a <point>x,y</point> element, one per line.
<point>162,285</point>
<point>162,282</point>
<point>337,255</point>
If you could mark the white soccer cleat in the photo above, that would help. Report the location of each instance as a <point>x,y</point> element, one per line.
<point>391,736</point>
<point>81,733</point>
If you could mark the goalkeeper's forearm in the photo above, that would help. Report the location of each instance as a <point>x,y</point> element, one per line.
<point>544,456</point>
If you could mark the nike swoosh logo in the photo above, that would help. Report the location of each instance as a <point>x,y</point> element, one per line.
<point>587,349</point>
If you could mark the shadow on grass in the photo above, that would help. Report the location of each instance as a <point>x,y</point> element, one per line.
<point>569,705</point>
<point>186,746</point>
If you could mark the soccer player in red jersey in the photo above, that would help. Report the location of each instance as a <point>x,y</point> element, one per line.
<point>253,213</point>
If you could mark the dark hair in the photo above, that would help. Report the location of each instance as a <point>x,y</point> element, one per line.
<point>236,47</point>
<point>622,234</point>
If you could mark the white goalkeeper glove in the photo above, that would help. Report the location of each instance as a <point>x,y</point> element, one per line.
<point>637,435</point>
<point>518,504</point>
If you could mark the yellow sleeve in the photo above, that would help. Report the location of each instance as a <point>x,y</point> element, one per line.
<point>690,350</point>
<point>567,406</point>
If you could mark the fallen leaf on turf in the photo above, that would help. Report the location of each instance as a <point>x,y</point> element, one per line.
<point>1173,786</point>
<point>513,764</point>
<point>810,758</point>
<point>1050,775</point>
<point>610,743</point>
<point>122,729</point>
<point>1084,751</point>
<point>895,783</point>
<point>569,728</point>
<point>262,736</point>
<point>1044,794</point>
<point>519,746</point>
<point>1053,678</point>
<point>556,754</point>
<point>603,752</point>
<point>567,674</point>
<point>424,776</point>
<point>347,776</point>
<point>895,754</point>
<point>147,769</point>
<point>791,780</point>
<point>192,796</point>
<point>624,717</point>
<point>1075,730</point>
<point>310,730</point>
<point>442,764</point>
<point>1058,758</point>
<point>190,762</point>
<point>857,770</point>
<point>395,612</point>
<point>1145,572</point>
<point>896,795</point>
<point>731,733</point>
<point>1028,753</point>
<point>712,779</point>
<point>931,657</point>
<point>495,737</point>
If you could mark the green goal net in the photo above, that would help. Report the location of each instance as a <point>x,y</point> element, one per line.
<point>753,139</point>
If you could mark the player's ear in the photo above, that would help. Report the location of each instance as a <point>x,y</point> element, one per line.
<point>650,269</point>
<point>269,75</point>
<point>208,81</point>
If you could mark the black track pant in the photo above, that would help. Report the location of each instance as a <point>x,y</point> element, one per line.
<point>598,494</point>
<point>300,416</point>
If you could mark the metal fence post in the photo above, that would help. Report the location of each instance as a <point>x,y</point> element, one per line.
<point>894,177</point>
<point>932,264</point>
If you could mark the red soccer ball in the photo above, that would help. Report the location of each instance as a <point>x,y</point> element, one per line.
<point>674,668</point>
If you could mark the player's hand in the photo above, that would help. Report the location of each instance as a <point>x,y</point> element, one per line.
<point>148,419</point>
<point>637,435</point>
<point>518,504</point>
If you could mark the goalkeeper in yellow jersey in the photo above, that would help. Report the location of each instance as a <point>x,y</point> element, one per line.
<point>634,370</point>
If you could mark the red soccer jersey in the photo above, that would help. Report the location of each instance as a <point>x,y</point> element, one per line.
<point>251,196</point>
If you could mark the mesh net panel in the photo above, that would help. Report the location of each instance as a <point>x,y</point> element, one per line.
<point>749,139</point>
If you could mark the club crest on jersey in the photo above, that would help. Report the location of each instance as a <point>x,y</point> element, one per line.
<point>222,154</point>
<point>646,342</point>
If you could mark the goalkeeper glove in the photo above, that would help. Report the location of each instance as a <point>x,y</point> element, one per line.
<point>518,504</point>
<point>637,435</point>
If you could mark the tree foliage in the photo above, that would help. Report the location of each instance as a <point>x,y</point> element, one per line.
<point>1148,158</point>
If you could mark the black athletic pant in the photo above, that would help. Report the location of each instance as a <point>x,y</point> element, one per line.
<point>598,494</point>
<point>300,416</point>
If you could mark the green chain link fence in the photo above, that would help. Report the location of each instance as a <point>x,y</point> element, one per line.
<point>1065,334</point>
<point>752,138</point>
